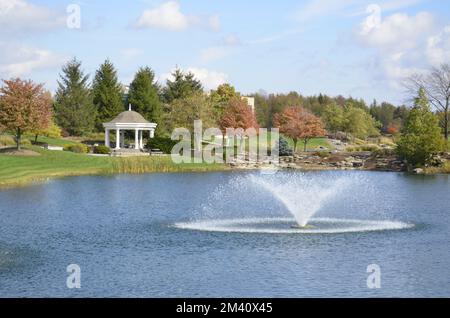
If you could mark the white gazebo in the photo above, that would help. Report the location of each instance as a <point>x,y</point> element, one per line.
<point>129,120</point>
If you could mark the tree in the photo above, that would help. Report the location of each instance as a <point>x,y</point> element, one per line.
<point>421,135</point>
<point>333,116</point>
<point>299,124</point>
<point>383,113</point>
<point>222,96</point>
<point>52,131</point>
<point>24,106</point>
<point>183,85</point>
<point>436,85</point>
<point>144,95</point>
<point>183,112</point>
<point>74,107</point>
<point>107,94</point>
<point>359,123</point>
<point>238,114</point>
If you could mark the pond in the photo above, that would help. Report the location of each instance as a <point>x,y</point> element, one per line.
<point>228,234</point>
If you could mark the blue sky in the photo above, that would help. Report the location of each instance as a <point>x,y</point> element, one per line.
<point>357,48</point>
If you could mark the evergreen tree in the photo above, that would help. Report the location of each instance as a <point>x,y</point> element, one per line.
<point>183,85</point>
<point>144,95</point>
<point>107,94</point>
<point>421,135</point>
<point>74,108</point>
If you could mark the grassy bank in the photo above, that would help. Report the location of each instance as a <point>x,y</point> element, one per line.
<point>22,170</point>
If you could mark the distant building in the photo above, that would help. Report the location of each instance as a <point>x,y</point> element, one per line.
<point>250,102</point>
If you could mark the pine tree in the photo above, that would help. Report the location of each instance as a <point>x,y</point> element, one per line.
<point>74,108</point>
<point>107,94</point>
<point>144,95</point>
<point>183,85</point>
<point>421,135</point>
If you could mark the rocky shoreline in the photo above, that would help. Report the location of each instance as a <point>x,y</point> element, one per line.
<point>367,161</point>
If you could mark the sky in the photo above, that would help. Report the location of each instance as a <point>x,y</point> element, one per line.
<point>364,49</point>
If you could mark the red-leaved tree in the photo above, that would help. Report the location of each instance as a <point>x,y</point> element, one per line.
<point>299,124</point>
<point>24,106</point>
<point>238,114</point>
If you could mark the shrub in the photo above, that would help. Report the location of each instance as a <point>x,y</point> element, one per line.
<point>6,140</point>
<point>102,150</point>
<point>284,148</point>
<point>322,154</point>
<point>161,143</point>
<point>77,148</point>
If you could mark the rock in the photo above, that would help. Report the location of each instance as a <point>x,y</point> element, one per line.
<point>418,171</point>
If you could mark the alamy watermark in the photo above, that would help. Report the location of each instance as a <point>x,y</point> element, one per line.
<point>73,20</point>
<point>374,278</point>
<point>74,279</point>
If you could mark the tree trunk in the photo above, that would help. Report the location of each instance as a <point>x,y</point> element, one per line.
<point>295,146</point>
<point>305,143</point>
<point>446,125</point>
<point>36,138</point>
<point>18,138</point>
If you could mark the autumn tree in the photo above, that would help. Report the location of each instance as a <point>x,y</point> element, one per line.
<point>238,114</point>
<point>222,96</point>
<point>74,108</point>
<point>333,117</point>
<point>24,106</point>
<point>299,124</point>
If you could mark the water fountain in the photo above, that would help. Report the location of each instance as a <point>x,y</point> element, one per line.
<point>303,196</point>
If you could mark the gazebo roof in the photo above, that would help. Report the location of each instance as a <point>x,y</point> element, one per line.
<point>129,117</point>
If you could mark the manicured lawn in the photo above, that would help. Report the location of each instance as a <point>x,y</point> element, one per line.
<point>19,170</point>
<point>313,144</point>
<point>52,141</point>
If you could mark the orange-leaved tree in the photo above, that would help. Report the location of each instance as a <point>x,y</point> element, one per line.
<point>299,124</point>
<point>238,114</point>
<point>24,106</point>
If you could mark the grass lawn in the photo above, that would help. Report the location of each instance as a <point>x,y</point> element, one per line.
<point>21,170</point>
<point>313,144</point>
<point>53,141</point>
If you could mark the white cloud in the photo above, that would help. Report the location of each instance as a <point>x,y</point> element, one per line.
<point>20,16</point>
<point>17,60</point>
<point>168,16</point>
<point>209,79</point>
<point>403,44</point>
<point>438,47</point>
<point>220,51</point>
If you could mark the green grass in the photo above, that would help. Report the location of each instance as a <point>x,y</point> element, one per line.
<point>22,170</point>
<point>313,144</point>
<point>52,141</point>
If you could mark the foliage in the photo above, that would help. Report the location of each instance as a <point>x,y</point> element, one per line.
<point>24,106</point>
<point>299,124</point>
<point>77,148</point>
<point>74,107</point>
<point>421,134</point>
<point>183,112</point>
<point>333,117</point>
<point>182,86</point>
<point>102,150</point>
<point>238,114</point>
<point>284,148</point>
<point>6,140</point>
<point>222,96</point>
<point>144,95</point>
<point>164,144</point>
<point>359,123</point>
<point>52,131</point>
<point>107,94</point>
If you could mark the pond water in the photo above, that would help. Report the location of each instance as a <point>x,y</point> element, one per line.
<point>228,235</point>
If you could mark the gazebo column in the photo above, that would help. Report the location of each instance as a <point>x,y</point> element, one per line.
<point>141,141</point>
<point>136,139</point>
<point>107,140</point>
<point>117,138</point>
